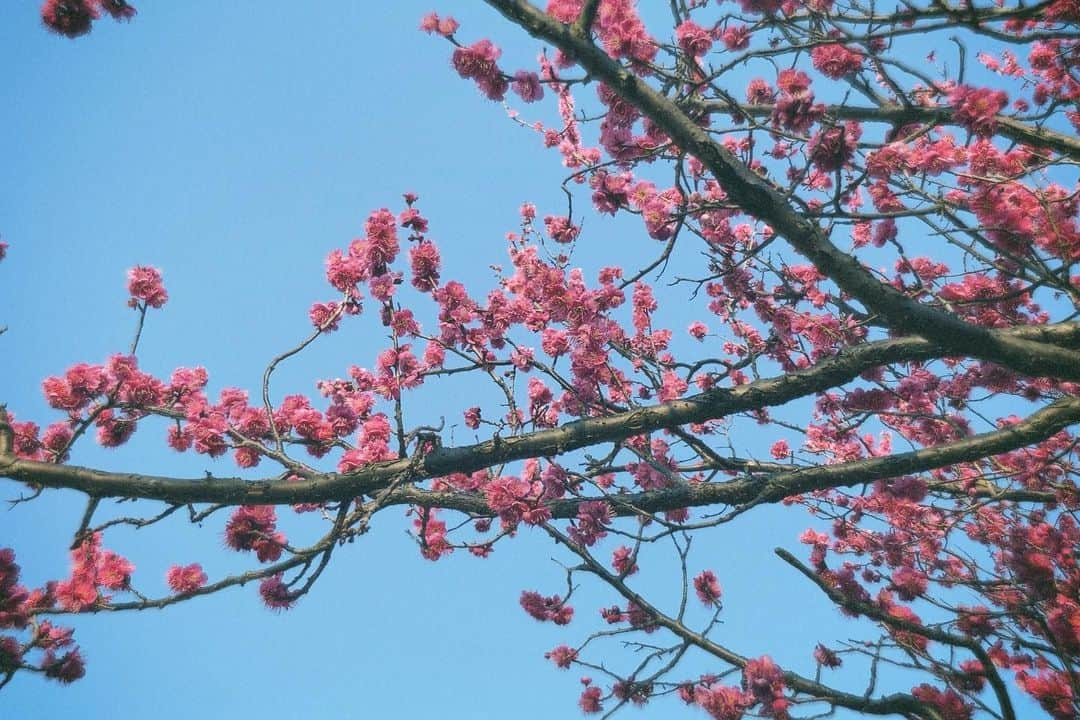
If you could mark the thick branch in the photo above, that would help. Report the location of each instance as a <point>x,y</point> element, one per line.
<point>832,372</point>
<point>1041,425</point>
<point>898,116</point>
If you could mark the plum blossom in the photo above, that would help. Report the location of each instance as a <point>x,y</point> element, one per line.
<point>478,62</point>
<point>707,587</point>
<point>186,578</point>
<point>144,284</point>
<point>693,39</point>
<point>527,86</point>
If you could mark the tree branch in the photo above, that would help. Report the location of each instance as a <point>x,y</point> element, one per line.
<point>832,372</point>
<point>757,197</point>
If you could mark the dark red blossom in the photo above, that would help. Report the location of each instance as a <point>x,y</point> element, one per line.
<point>552,608</point>
<point>707,587</point>
<point>117,9</point>
<point>70,18</point>
<point>252,527</point>
<point>276,594</point>
<point>67,668</point>
<point>833,148</point>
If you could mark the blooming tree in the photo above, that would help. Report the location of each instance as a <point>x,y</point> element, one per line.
<point>883,257</point>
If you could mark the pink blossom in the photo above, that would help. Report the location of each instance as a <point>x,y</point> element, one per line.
<point>759,92</point>
<point>836,61</point>
<point>623,33</point>
<point>765,681</point>
<point>144,284</point>
<point>560,229</point>
<point>948,702</point>
<point>412,219</point>
<point>429,23</point>
<point>589,702</point>
<point>185,579</point>
<point>381,248</point>
<point>113,431</point>
<point>424,261</point>
<point>693,39</point>
<point>977,108</point>
<point>433,24</point>
<point>325,316</point>
<point>736,37</point>
<point>826,657</point>
<point>672,386</point>
<point>698,330</point>
<point>622,559</point>
<point>478,62</point>
<point>113,571</point>
<point>908,582</point>
<point>592,518</point>
<point>56,439</point>
<point>527,86</point>
<point>448,26</point>
<point>1052,690</point>
<point>793,82</point>
<point>722,702</point>
<point>546,608</point>
<point>780,450</point>
<point>562,656</point>
<point>343,272</point>
<point>432,533</point>
<point>76,594</point>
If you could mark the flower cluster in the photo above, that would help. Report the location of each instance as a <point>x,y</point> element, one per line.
<point>146,288</point>
<point>72,18</point>
<point>543,608</point>
<point>478,63</point>
<point>253,527</point>
<point>185,579</point>
<point>92,569</point>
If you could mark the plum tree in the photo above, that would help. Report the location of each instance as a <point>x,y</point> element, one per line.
<point>878,250</point>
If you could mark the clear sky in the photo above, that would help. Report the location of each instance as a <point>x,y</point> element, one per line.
<point>233,145</point>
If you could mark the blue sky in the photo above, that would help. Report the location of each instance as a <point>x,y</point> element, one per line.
<point>233,145</point>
